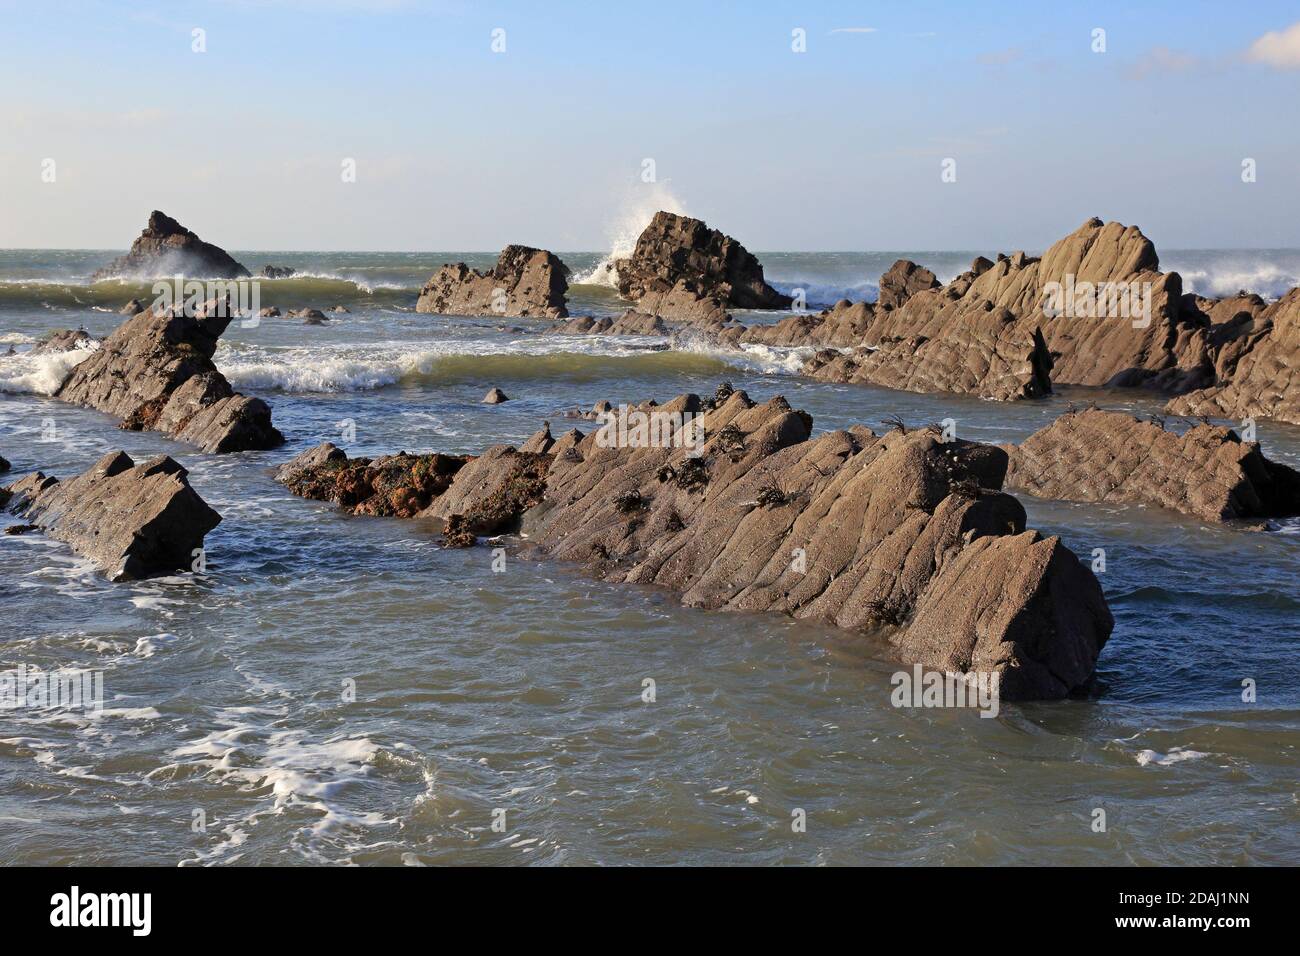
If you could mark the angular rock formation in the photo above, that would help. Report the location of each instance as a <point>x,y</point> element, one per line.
<point>155,371</point>
<point>1207,471</point>
<point>1009,328</point>
<point>276,272</point>
<point>630,322</point>
<point>134,307</point>
<point>167,248</point>
<point>685,271</point>
<point>398,485</point>
<point>1257,367</point>
<point>900,533</point>
<point>903,280</point>
<point>133,521</point>
<point>525,283</point>
<point>494,397</point>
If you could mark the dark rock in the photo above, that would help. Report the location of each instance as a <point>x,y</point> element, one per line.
<point>133,521</point>
<point>64,340</point>
<point>155,371</point>
<point>1207,471</point>
<point>134,307</point>
<point>685,271</point>
<point>270,312</point>
<point>495,397</point>
<point>167,248</point>
<point>525,283</point>
<point>399,485</point>
<point>630,322</point>
<point>277,272</point>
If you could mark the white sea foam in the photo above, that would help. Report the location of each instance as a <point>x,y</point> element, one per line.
<point>1226,278</point>
<point>1175,755</point>
<point>636,212</point>
<point>820,293</point>
<point>39,374</point>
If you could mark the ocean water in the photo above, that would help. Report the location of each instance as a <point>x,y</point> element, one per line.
<point>227,736</point>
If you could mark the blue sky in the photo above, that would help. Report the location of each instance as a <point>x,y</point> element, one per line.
<point>461,148</point>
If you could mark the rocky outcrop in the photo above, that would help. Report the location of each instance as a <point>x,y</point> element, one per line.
<point>155,371</point>
<point>133,307</point>
<point>398,485</point>
<point>64,340</point>
<point>133,521</point>
<point>1257,364</point>
<point>276,272</point>
<point>901,534</point>
<point>1207,471</point>
<point>525,283</point>
<point>903,280</point>
<point>685,271</point>
<point>167,248</point>
<point>630,322</point>
<point>494,397</point>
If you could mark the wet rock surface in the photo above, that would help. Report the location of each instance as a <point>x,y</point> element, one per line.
<point>166,248</point>
<point>132,520</point>
<point>155,371</point>
<point>630,322</point>
<point>1206,471</point>
<point>64,340</point>
<point>525,283</point>
<point>901,534</point>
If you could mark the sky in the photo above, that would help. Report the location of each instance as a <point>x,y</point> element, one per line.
<point>471,125</point>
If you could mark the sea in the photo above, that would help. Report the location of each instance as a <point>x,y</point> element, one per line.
<point>339,690</point>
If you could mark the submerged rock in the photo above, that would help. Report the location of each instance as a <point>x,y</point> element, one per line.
<point>525,283</point>
<point>494,397</point>
<point>277,272</point>
<point>903,533</point>
<point>1207,471</point>
<point>64,340</point>
<point>685,271</point>
<point>630,322</point>
<point>167,248</point>
<point>133,521</point>
<point>155,371</point>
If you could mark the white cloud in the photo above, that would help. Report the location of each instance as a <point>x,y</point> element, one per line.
<point>1280,49</point>
<point>1161,59</point>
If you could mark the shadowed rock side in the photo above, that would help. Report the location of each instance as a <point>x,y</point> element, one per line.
<point>686,272</point>
<point>1257,363</point>
<point>167,248</point>
<point>133,521</point>
<point>901,533</point>
<point>155,371</point>
<point>987,332</point>
<point>525,283</point>
<point>64,340</point>
<point>1093,455</point>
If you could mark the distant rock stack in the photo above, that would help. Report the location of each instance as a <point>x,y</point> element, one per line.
<point>167,248</point>
<point>685,271</point>
<point>525,283</point>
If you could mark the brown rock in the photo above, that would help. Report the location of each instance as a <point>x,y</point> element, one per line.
<point>630,322</point>
<point>525,283</point>
<point>494,397</point>
<point>167,248</point>
<point>64,340</point>
<point>685,271</point>
<point>903,280</point>
<point>133,521</point>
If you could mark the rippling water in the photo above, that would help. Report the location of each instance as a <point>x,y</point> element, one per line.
<point>478,692</point>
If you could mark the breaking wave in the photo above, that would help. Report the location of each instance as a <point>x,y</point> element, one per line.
<point>636,214</point>
<point>24,373</point>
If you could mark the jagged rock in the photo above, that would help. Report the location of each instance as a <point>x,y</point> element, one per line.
<point>134,307</point>
<point>167,248</point>
<point>1207,471</point>
<point>1261,353</point>
<point>398,485</point>
<point>903,533</point>
<point>525,283</point>
<point>270,312</point>
<point>155,371</point>
<point>685,271</point>
<point>64,340</point>
<point>904,279</point>
<point>540,443</point>
<point>133,521</point>
<point>4,464</point>
<point>494,397</point>
<point>277,272</point>
<point>630,322</point>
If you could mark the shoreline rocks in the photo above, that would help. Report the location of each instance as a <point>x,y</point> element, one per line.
<point>630,322</point>
<point>166,248</point>
<point>684,271</point>
<point>901,534</point>
<point>132,520</point>
<point>524,283</point>
<point>155,371</point>
<point>1207,472</point>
